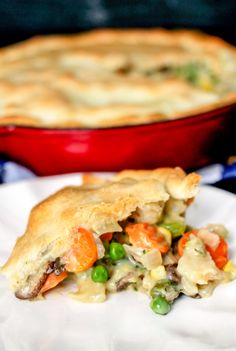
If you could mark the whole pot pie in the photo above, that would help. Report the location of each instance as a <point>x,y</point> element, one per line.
<point>107,78</point>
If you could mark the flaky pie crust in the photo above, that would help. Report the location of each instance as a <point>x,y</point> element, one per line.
<point>107,78</point>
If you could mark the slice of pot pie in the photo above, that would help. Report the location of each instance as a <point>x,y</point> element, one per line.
<point>107,78</point>
<point>120,234</point>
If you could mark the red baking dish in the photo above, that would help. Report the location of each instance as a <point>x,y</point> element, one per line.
<point>189,142</point>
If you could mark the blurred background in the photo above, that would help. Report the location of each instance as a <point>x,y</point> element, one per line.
<point>21,19</point>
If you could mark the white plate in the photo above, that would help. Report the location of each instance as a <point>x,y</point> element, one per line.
<point>124,322</point>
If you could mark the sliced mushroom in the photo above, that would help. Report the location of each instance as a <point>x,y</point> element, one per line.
<point>172,273</point>
<point>36,282</point>
<point>124,282</point>
<point>29,292</point>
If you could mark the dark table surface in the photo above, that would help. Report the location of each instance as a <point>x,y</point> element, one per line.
<point>21,19</point>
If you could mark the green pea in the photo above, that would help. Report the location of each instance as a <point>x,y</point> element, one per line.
<point>159,305</point>
<point>116,251</point>
<point>189,71</point>
<point>160,288</point>
<point>176,228</point>
<point>165,289</point>
<point>99,274</point>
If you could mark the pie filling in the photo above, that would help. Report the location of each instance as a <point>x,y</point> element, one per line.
<point>128,233</point>
<point>163,260</point>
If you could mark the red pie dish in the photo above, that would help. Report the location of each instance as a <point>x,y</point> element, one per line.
<point>189,143</point>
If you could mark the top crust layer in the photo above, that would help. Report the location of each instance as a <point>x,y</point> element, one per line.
<point>114,77</point>
<point>178,185</point>
<point>176,182</point>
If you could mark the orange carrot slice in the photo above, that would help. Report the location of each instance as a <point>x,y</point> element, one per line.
<point>147,237</point>
<point>220,254</point>
<point>83,252</point>
<point>53,280</point>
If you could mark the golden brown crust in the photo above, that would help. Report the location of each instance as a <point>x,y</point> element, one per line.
<point>113,77</point>
<point>177,183</point>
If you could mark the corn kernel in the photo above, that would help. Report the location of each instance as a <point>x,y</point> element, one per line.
<point>166,233</point>
<point>158,273</point>
<point>229,267</point>
<point>205,83</point>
